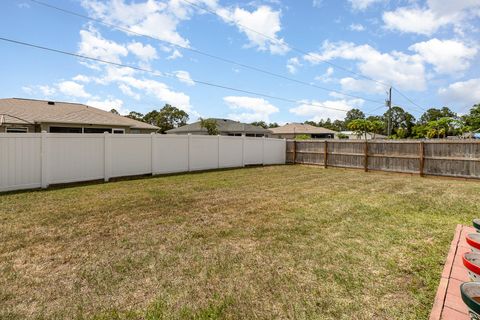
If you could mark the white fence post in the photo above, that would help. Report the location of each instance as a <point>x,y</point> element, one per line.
<point>243,150</point>
<point>107,156</point>
<point>263,150</point>
<point>44,159</point>
<point>188,150</point>
<point>152,152</point>
<point>218,150</point>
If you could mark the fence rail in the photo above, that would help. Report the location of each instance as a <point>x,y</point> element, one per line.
<point>34,160</point>
<point>439,158</point>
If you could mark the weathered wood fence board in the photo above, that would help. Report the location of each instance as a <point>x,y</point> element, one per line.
<point>440,158</point>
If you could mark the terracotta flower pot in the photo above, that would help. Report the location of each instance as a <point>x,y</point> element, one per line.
<point>471,297</point>
<point>473,239</point>
<point>476,224</point>
<point>471,261</point>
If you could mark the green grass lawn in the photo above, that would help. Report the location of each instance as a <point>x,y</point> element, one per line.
<point>258,243</point>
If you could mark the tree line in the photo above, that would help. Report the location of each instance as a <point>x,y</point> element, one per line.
<point>434,123</point>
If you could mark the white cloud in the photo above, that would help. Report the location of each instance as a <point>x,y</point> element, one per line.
<point>435,15</point>
<point>362,4</point>
<point>315,110</point>
<point>327,76</point>
<point>413,20</point>
<point>143,52</point>
<point>126,90</point>
<point>92,44</point>
<point>464,93</point>
<point>43,90</point>
<point>357,85</point>
<point>153,18</point>
<point>81,78</point>
<point>73,89</point>
<point>258,109</point>
<point>405,71</point>
<point>184,76</point>
<point>317,3</point>
<point>357,27</point>
<point>293,64</point>
<point>108,105</point>
<point>448,56</point>
<point>263,21</point>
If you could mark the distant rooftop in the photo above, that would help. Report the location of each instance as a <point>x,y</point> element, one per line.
<point>30,111</point>
<point>300,128</point>
<point>223,125</point>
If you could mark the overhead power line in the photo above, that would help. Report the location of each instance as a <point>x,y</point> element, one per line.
<point>300,50</point>
<point>212,56</point>
<point>169,75</point>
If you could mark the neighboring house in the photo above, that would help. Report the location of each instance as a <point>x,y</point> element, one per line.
<point>28,115</point>
<point>292,130</point>
<point>370,136</point>
<point>225,128</point>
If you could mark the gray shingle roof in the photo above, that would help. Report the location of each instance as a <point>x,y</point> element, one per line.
<point>24,111</point>
<point>300,128</point>
<point>223,125</point>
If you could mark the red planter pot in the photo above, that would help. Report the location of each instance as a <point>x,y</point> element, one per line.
<point>471,261</point>
<point>473,239</point>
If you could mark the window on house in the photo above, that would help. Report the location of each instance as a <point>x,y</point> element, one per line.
<point>250,135</point>
<point>17,130</point>
<point>234,134</point>
<point>65,130</point>
<point>97,130</point>
<point>118,131</point>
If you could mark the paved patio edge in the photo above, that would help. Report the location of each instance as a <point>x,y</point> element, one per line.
<point>438,304</point>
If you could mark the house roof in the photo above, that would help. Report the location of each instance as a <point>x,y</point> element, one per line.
<point>29,111</point>
<point>223,125</point>
<point>300,128</point>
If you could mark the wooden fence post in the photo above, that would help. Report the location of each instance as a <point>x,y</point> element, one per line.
<point>365,165</point>
<point>294,151</point>
<point>325,154</point>
<point>422,157</point>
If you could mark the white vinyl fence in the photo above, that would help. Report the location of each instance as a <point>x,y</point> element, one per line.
<point>34,160</point>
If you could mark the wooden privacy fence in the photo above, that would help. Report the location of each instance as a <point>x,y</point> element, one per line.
<point>439,158</point>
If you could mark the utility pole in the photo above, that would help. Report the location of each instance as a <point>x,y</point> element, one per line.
<point>389,102</point>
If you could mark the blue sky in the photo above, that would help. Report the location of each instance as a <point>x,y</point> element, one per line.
<point>428,50</point>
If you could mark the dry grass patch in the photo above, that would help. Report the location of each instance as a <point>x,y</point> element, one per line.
<point>272,242</point>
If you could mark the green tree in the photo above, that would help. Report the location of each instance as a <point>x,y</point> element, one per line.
<point>114,112</point>
<point>360,127</point>
<point>262,124</point>
<point>354,114</point>
<point>400,120</point>
<point>312,123</point>
<point>210,125</point>
<point>273,125</point>
<point>135,116</point>
<point>376,127</point>
<point>167,118</point>
<point>472,119</point>
<point>434,114</point>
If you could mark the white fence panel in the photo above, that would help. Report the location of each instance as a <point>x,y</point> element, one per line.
<point>170,153</point>
<point>35,160</point>
<point>72,157</point>
<point>130,155</point>
<point>203,152</point>
<point>231,152</point>
<point>275,151</point>
<point>253,150</point>
<point>20,161</point>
